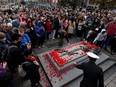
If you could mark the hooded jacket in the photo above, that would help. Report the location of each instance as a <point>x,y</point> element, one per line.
<point>40,31</point>
<point>101,36</point>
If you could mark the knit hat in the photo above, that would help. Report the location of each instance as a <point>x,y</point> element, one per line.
<point>103,30</point>
<point>2,36</point>
<point>27,52</point>
<point>97,29</point>
<point>9,24</point>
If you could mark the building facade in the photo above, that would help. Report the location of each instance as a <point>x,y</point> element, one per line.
<point>44,1</point>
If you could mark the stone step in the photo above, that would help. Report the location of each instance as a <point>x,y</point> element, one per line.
<point>51,43</point>
<point>107,64</point>
<point>110,75</point>
<point>109,72</point>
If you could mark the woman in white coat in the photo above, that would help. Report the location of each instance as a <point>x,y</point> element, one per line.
<point>100,38</point>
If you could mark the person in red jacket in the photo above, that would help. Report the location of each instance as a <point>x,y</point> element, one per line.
<point>48,28</point>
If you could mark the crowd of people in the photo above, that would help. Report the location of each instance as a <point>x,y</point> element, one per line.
<point>24,28</point>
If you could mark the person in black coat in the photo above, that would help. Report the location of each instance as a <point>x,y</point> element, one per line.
<point>113,45</point>
<point>3,45</point>
<point>14,56</point>
<point>31,66</point>
<point>93,74</point>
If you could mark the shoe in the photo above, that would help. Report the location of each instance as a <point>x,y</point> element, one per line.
<point>53,38</point>
<point>39,47</point>
<point>38,85</point>
<point>112,53</point>
<point>43,46</point>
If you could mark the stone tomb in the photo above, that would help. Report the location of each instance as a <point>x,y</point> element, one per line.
<point>58,63</point>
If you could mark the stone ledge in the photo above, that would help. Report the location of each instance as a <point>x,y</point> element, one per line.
<point>108,81</point>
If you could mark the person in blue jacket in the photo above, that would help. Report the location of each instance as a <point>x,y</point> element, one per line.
<point>40,32</point>
<point>16,23</point>
<point>24,38</point>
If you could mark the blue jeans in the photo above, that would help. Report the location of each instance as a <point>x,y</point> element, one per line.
<point>53,34</point>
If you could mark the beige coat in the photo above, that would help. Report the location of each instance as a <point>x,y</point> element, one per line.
<point>70,28</point>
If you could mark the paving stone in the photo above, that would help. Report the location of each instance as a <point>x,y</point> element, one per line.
<point>107,64</point>
<point>107,82</point>
<point>111,85</point>
<point>114,80</point>
<point>112,76</point>
<point>109,72</point>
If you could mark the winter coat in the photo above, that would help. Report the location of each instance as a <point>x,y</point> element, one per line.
<point>15,24</point>
<point>48,27</point>
<point>100,37</point>
<point>70,28</point>
<point>25,39</point>
<point>15,57</point>
<point>32,70</point>
<point>40,31</point>
<point>92,75</point>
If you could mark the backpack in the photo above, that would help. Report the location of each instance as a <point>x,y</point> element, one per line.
<point>6,53</point>
<point>3,51</point>
<point>21,71</point>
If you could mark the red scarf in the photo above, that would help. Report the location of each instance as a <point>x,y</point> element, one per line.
<point>31,58</point>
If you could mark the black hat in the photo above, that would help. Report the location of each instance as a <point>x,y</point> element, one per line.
<point>27,52</point>
<point>15,36</point>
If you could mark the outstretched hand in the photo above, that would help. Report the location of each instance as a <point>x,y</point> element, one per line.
<point>75,63</point>
<point>28,46</point>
